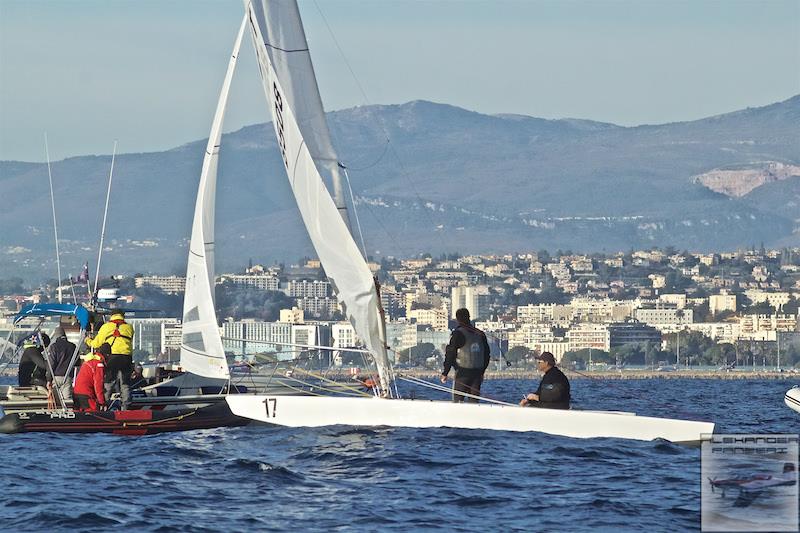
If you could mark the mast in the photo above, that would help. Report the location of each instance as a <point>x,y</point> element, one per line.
<point>105,217</point>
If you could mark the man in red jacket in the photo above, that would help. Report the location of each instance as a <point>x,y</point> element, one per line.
<point>88,392</point>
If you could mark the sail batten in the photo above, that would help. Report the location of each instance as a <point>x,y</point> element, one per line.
<point>307,152</point>
<point>202,352</point>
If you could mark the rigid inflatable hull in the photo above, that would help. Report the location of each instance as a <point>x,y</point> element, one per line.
<point>139,422</point>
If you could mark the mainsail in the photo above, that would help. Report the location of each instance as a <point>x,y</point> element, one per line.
<point>202,352</point>
<point>307,152</point>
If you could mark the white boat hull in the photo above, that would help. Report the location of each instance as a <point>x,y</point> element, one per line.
<point>792,399</point>
<point>315,411</point>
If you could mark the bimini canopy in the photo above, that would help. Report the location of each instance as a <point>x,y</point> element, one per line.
<point>78,311</point>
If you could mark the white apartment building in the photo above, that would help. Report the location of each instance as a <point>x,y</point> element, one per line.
<point>536,313</point>
<point>475,299</point>
<point>400,335</point>
<point>168,284</point>
<point>308,289</point>
<point>660,317</point>
<point>718,303</point>
<point>557,347</point>
<point>295,315</point>
<point>437,318</point>
<point>775,299</point>
<point>659,280</point>
<point>318,306</point>
<point>171,336</point>
<point>530,335</point>
<point>147,333</point>
<point>595,336</point>
<point>592,309</point>
<point>678,300</point>
<point>255,336</point>
<point>718,331</point>
<point>344,335</point>
<point>752,324</point>
<point>260,281</point>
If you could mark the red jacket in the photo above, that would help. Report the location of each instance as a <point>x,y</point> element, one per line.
<point>90,378</point>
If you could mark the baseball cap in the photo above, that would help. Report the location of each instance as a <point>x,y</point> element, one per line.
<point>547,357</point>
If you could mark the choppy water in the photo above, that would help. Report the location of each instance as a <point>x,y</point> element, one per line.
<point>260,478</point>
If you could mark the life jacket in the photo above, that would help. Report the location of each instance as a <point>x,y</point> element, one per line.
<point>120,338</point>
<point>473,353</point>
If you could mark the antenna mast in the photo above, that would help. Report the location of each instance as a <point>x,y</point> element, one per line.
<point>105,216</point>
<point>53,204</point>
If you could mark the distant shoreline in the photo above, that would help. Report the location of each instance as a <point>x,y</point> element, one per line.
<point>571,374</point>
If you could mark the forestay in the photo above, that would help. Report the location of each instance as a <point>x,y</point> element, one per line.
<point>304,142</point>
<point>202,352</point>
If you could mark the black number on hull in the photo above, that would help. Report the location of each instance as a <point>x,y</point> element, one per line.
<point>274,402</point>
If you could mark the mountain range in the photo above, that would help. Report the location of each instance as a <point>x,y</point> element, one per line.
<point>427,177</point>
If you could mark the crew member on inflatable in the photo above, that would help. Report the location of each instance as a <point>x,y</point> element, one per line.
<point>119,335</point>
<point>89,391</point>
<point>468,353</point>
<point>553,391</point>
<point>61,352</point>
<point>32,371</point>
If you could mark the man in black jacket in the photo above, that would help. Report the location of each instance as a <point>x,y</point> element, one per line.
<point>61,352</point>
<point>553,391</point>
<point>468,353</point>
<point>32,366</point>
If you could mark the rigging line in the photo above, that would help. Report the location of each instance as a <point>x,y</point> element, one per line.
<point>53,204</point>
<point>355,212</point>
<point>344,389</point>
<point>324,379</point>
<point>306,346</point>
<point>374,163</point>
<point>389,145</point>
<point>434,386</point>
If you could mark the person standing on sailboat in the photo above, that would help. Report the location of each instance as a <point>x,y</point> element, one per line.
<point>468,353</point>
<point>119,335</point>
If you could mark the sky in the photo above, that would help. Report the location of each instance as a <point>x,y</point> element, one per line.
<point>148,73</point>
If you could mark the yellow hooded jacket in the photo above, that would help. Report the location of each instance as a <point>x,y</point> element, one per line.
<point>117,333</point>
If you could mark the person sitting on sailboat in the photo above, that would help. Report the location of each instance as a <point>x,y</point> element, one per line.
<point>553,391</point>
<point>468,353</point>
<point>89,392</point>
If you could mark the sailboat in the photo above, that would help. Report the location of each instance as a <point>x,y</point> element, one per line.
<point>304,141</point>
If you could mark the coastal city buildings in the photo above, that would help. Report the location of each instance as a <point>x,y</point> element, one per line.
<point>639,305</point>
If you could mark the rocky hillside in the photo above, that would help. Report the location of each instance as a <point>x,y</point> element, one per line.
<point>448,180</point>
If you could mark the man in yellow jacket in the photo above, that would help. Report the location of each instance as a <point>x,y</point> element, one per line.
<point>119,335</point>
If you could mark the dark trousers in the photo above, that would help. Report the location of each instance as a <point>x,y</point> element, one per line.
<point>118,378</point>
<point>547,405</point>
<point>467,380</point>
<point>81,402</point>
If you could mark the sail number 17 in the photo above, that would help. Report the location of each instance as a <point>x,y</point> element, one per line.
<point>274,402</point>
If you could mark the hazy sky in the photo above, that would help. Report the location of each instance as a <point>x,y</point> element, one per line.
<point>148,72</point>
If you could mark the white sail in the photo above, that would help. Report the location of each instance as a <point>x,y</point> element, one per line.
<point>285,43</point>
<point>201,345</point>
<point>299,121</point>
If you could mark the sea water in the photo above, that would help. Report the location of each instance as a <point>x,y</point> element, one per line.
<point>262,478</point>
